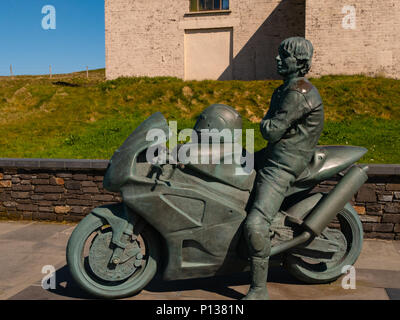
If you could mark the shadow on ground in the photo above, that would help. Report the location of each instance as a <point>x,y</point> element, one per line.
<point>66,287</point>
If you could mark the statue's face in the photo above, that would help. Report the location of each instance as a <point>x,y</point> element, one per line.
<point>286,63</point>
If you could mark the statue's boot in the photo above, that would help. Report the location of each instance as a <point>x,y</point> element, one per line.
<point>259,273</point>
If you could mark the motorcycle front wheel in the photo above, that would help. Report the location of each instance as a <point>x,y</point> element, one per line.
<point>89,252</point>
<point>350,234</point>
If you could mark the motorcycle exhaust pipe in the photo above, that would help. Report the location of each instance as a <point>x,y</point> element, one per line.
<point>328,208</point>
<point>335,201</point>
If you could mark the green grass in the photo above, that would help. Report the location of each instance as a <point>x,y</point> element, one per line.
<point>70,116</point>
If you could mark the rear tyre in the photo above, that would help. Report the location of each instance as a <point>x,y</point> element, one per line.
<point>324,272</point>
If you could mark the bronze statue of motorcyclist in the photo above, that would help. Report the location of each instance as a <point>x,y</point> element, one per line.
<point>292,126</point>
<point>199,211</point>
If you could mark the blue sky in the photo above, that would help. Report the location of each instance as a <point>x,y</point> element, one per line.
<point>77,41</point>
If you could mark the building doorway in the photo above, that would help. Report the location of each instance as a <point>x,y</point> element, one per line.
<point>208,54</point>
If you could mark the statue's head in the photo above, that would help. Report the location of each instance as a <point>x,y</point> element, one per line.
<point>295,55</point>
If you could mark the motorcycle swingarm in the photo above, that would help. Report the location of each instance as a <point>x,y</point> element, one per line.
<point>319,249</point>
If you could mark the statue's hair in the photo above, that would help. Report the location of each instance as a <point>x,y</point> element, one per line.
<point>301,49</point>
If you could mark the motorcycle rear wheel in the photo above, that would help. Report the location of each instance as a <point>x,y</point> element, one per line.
<point>87,276</point>
<point>351,229</point>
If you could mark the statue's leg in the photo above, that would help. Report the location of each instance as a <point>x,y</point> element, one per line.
<point>272,184</point>
<point>256,231</point>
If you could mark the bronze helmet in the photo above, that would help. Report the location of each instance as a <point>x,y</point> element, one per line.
<point>218,116</point>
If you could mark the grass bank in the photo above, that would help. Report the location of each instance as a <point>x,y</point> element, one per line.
<point>70,116</point>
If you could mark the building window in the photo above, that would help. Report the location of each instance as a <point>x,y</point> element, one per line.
<point>208,5</point>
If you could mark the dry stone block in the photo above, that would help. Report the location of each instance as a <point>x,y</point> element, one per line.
<point>27,215</point>
<point>103,197</point>
<point>366,193</point>
<point>367,218</point>
<point>77,209</point>
<point>21,187</point>
<point>20,195</point>
<point>52,196</point>
<point>46,216</point>
<point>393,187</point>
<point>77,202</point>
<point>90,190</point>
<point>392,208</point>
<point>73,185</point>
<point>80,177</point>
<point>24,201</point>
<point>88,184</point>
<point>5,184</point>
<point>36,197</point>
<point>73,218</point>
<point>57,181</point>
<point>62,209</point>
<point>27,207</point>
<point>383,227</point>
<point>64,175</point>
<point>9,204</point>
<point>385,197</point>
<point>359,209</point>
<point>378,227</point>
<point>27,176</point>
<point>374,209</point>
<point>392,218</point>
<point>49,189</point>
<point>380,235</point>
<point>45,203</point>
<point>40,181</point>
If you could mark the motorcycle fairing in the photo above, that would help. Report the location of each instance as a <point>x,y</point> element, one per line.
<point>199,222</point>
<point>122,164</point>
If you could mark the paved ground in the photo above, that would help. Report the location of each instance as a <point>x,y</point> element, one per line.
<point>25,247</point>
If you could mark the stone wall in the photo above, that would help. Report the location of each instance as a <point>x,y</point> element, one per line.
<point>67,190</point>
<point>55,190</point>
<point>371,48</point>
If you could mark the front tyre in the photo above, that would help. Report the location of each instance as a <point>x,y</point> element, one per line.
<point>88,254</point>
<point>350,233</point>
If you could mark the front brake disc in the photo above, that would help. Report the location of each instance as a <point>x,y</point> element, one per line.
<point>100,254</point>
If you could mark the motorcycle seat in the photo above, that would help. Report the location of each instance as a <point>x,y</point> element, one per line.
<point>328,161</point>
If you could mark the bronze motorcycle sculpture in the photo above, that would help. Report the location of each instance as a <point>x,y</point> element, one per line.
<point>186,221</point>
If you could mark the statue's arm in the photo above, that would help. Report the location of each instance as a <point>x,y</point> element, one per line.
<point>293,107</point>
